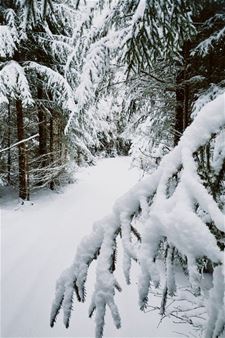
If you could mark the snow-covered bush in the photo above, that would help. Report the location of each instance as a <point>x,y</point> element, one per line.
<point>177,208</point>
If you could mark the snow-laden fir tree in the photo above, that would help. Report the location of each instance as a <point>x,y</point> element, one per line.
<point>112,34</point>
<point>181,204</point>
<point>50,42</point>
<point>116,33</point>
<point>159,99</point>
<point>34,88</point>
<point>37,41</point>
<point>179,212</point>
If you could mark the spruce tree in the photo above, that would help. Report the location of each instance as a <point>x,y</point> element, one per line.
<point>37,86</point>
<point>176,204</point>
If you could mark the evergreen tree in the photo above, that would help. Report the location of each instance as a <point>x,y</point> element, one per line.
<point>179,214</point>
<point>179,205</point>
<point>33,84</point>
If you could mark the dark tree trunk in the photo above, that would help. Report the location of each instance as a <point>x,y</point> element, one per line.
<point>51,145</point>
<point>179,110</point>
<point>186,113</point>
<point>42,131</point>
<point>23,166</point>
<point>182,97</point>
<point>8,145</point>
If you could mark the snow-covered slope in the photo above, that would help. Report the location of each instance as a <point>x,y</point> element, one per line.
<point>39,240</point>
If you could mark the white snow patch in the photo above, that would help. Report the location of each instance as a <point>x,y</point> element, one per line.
<point>38,241</point>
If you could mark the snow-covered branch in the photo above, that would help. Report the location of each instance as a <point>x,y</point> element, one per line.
<point>58,86</point>
<point>7,43</point>
<point>172,216</point>
<point>13,82</point>
<point>17,143</point>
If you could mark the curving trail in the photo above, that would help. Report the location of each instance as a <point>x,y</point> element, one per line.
<point>38,241</point>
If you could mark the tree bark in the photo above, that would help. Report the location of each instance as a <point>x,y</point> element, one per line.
<point>23,165</point>
<point>42,131</point>
<point>8,145</point>
<point>51,145</point>
<point>182,97</point>
<point>179,110</point>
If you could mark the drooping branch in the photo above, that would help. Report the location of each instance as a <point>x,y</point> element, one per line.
<point>173,217</point>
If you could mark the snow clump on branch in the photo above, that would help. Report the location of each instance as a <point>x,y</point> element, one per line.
<point>169,218</point>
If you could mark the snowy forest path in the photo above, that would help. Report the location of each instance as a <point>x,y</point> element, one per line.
<point>38,240</point>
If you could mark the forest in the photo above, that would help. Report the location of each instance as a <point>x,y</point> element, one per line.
<point>82,80</point>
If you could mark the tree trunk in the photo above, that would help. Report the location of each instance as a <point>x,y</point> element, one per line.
<point>179,110</point>
<point>23,165</point>
<point>182,97</point>
<point>8,145</point>
<point>42,131</point>
<point>51,144</point>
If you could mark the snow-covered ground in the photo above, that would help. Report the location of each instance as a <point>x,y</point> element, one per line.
<point>39,241</point>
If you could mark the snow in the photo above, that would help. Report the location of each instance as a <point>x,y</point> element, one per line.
<point>13,79</point>
<point>204,46</point>
<point>216,305</point>
<point>219,151</point>
<point>172,217</point>
<point>59,87</point>
<point>139,13</point>
<point>7,44</point>
<point>38,241</point>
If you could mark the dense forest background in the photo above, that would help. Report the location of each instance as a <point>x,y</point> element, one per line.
<point>82,79</point>
<point>79,80</point>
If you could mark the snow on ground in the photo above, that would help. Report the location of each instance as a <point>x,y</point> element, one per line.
<point>39,241</point>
